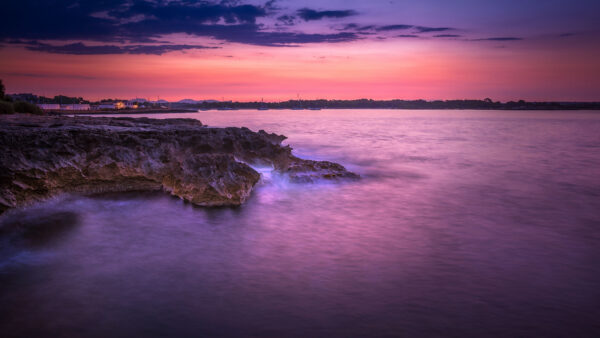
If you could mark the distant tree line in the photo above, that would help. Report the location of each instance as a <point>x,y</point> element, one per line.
<point>10,106</point>
<point>58,99</point>
<point>63,99</point>
<point>486,104</point>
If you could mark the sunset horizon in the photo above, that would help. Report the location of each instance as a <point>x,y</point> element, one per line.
<point>276,50</point>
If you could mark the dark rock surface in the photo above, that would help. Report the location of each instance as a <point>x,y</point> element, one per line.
<point>45,156</point>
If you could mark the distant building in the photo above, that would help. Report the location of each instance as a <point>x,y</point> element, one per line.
<point>115,105</point>
<point>75,107</point>
<point>49,106</point>
<point>132,105</point>
<point>107,106</point>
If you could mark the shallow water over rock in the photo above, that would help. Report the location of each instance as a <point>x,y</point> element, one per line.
<point>466,223</point>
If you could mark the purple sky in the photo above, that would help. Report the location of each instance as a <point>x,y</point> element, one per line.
<point>509,49</point>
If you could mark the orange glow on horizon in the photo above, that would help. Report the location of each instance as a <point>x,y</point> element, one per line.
<point>377,70</point>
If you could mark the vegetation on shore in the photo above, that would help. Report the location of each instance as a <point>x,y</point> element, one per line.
<point>485,104</point>
<point>9,107</point>
<point>6,108</point>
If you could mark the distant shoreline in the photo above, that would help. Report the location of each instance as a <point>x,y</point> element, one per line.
<point>72,105</point>
<point>186,111</point>
<point>121,111</point>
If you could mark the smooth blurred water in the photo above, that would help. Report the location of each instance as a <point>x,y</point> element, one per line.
<point>466,223</point>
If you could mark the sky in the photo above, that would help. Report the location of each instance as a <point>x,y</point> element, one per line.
<point>537,50</point>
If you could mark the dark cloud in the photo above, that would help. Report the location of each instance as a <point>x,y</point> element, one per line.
<point>141,26</point>
<point>273,39</point>
<point>271,5</point>
<point>447,36</point>
<point>500,39</point>
<point>82,49</point>
<point>308,14</point>
<point>357,27</point>
<point>140,22</point>
<point>242,33</point>
<point>104,20</point>
<point>188,11</point>
<point>422,29</point>
<point>394,27</point>
<point>288,20</point>
<point>397,27</point>
<point>280,39</point>
<point>30,19</point>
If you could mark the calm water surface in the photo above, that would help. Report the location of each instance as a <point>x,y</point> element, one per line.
<point>465,224</point>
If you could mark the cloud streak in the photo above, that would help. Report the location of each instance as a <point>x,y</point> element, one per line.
<point>500,39</point>
<point>422,29</point>
<point>394,27</point>
<point>308,14</point>
<point>82,49</point>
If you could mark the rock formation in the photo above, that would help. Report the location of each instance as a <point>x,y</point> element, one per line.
<point>45,156</point>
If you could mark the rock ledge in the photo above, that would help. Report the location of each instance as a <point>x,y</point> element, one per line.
<point>45,156</point>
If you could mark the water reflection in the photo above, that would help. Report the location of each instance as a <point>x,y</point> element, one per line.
<point>466,224</point>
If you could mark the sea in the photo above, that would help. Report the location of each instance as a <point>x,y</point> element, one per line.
<point>465,223</point>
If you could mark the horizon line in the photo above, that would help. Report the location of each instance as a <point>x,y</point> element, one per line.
<point>148,99</point>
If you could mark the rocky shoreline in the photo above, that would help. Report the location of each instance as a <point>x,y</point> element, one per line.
<point>139,111</point>
<point>44,156</point>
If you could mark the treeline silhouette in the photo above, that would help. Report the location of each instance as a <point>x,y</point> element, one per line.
<point>58,99</point>
<point>10,106</point>
<point>486,104</point>
<point>398,104</point>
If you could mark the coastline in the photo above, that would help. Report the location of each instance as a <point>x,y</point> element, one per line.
<point>196,110</point>
<point>51,155</point>
<point>122,111</point>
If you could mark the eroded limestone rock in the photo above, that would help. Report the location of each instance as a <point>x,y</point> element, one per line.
<point>44,156</point>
